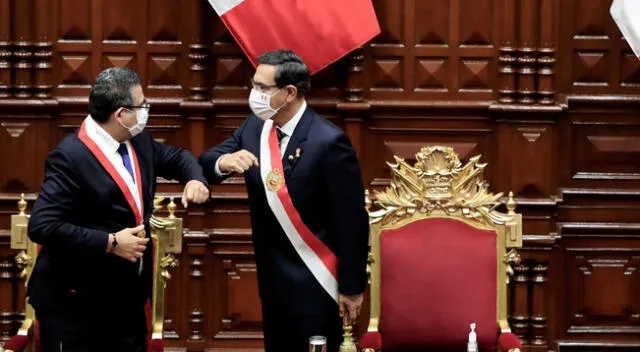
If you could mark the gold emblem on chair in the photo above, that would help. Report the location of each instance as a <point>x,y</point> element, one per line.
<point>437,182</point>
<point>275,180</point>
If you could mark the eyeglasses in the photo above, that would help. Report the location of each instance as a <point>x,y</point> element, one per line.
<point>144,105</point>
<point>262,87</point>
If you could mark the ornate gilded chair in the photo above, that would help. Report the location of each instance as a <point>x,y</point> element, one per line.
<point>25,260</point>
<point>439,258</point>
<point>166,234</point>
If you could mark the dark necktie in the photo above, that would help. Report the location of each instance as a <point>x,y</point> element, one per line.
<point>280,135</point>
<point>124,153</point>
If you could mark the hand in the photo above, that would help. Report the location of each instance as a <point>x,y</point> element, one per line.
<point>350,306</point>
<point>195,192</point>
<point>131,243</point>
<point>239,161</point>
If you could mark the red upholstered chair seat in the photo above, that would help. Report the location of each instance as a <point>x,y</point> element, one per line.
<point>438,275</point>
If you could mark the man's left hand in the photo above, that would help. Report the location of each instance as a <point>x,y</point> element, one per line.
<point>195,192</point>
<point>350,306</point>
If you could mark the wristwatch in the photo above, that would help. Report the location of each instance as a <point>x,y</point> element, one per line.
<point>114,243</point>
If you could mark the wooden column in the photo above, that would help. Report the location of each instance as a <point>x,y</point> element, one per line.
<point>198,104</point>
<point>527,52</point>
<point>195,109</point>
<point>198,50</point>
<point>546,53</point>
<point>43,48</point>
<point>353,106</point>
<point>519,319</point>
<point>5,50</point>
<point>507,54</point>
<point>198,90</point>
<point>196,290</point>
<point>539,318</point>
<point>355,77</point>
<point>8,309</point>
<point>22,18</point>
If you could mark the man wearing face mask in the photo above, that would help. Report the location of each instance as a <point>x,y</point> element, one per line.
<point>93,275</point>
<point>306,196</point>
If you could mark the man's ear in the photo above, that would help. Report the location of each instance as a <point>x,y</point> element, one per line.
<point>119,112</point>
<point>292,93</point>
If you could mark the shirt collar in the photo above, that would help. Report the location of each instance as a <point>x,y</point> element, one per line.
<point>106,141</point>
<point>290,126</point>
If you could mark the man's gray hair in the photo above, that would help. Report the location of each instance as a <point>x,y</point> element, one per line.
<point>110,91</point>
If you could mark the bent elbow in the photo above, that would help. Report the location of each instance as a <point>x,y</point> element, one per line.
<point>39,231</point>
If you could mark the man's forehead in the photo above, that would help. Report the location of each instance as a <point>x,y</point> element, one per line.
<point>138,95</point>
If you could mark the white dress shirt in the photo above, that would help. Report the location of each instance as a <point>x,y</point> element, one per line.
<point>287,129</point>
<point>109,147</point>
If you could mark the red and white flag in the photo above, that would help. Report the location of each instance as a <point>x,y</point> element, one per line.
<point>320,31</point>
<point>626,14</point>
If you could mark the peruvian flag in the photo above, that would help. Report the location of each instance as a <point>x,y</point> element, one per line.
<point>626,14</point>
<point>320,31</point>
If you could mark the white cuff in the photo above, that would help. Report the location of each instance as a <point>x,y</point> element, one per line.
<point>217,167</point>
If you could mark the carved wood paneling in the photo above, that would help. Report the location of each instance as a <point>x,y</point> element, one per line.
<point>594,52</point>
<point>430,50</point>
<point>593,310</point>
<point>240,308</point>
<point>605,150</point>
<point>24,162</point>
<point>387,140</point>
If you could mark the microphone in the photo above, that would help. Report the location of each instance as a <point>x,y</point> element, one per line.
<point>509,342</point>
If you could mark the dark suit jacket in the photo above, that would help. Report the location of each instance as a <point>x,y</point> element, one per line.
<point>78,205</point>
<point>326,188</point>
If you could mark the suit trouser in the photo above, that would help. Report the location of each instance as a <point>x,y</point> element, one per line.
<point>286,332</point>
<point>71,332</point>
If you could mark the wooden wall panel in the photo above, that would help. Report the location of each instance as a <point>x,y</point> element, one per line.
<point>433,50</point>
<point>545,90</point>
<point>26,163</point>
<point>595,55</point>
<point>592,265</point>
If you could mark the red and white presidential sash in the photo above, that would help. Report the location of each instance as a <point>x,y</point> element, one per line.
<point>322,263</point>
<point>115,175</point>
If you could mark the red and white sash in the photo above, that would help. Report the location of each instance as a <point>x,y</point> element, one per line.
<point>322,263</point>
<point>115,175</point>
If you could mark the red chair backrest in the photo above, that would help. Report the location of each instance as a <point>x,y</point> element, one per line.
<point>438,275</point>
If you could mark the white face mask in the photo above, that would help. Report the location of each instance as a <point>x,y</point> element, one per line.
<point>142,115</point>
<point>260,104</point>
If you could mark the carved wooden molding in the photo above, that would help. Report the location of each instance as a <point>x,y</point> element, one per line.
<point>15,129</point>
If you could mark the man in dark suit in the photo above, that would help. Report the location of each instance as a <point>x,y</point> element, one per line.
<point>306,196</point>
<point>93,274</point>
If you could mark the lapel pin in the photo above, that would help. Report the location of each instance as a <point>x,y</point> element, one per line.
<point>290,157</point>
<point>297,152</point>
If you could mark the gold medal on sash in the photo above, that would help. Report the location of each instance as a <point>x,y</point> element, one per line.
<point>275,180</point>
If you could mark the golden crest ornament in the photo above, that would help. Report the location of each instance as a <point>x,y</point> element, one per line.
<point>275,180</point>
